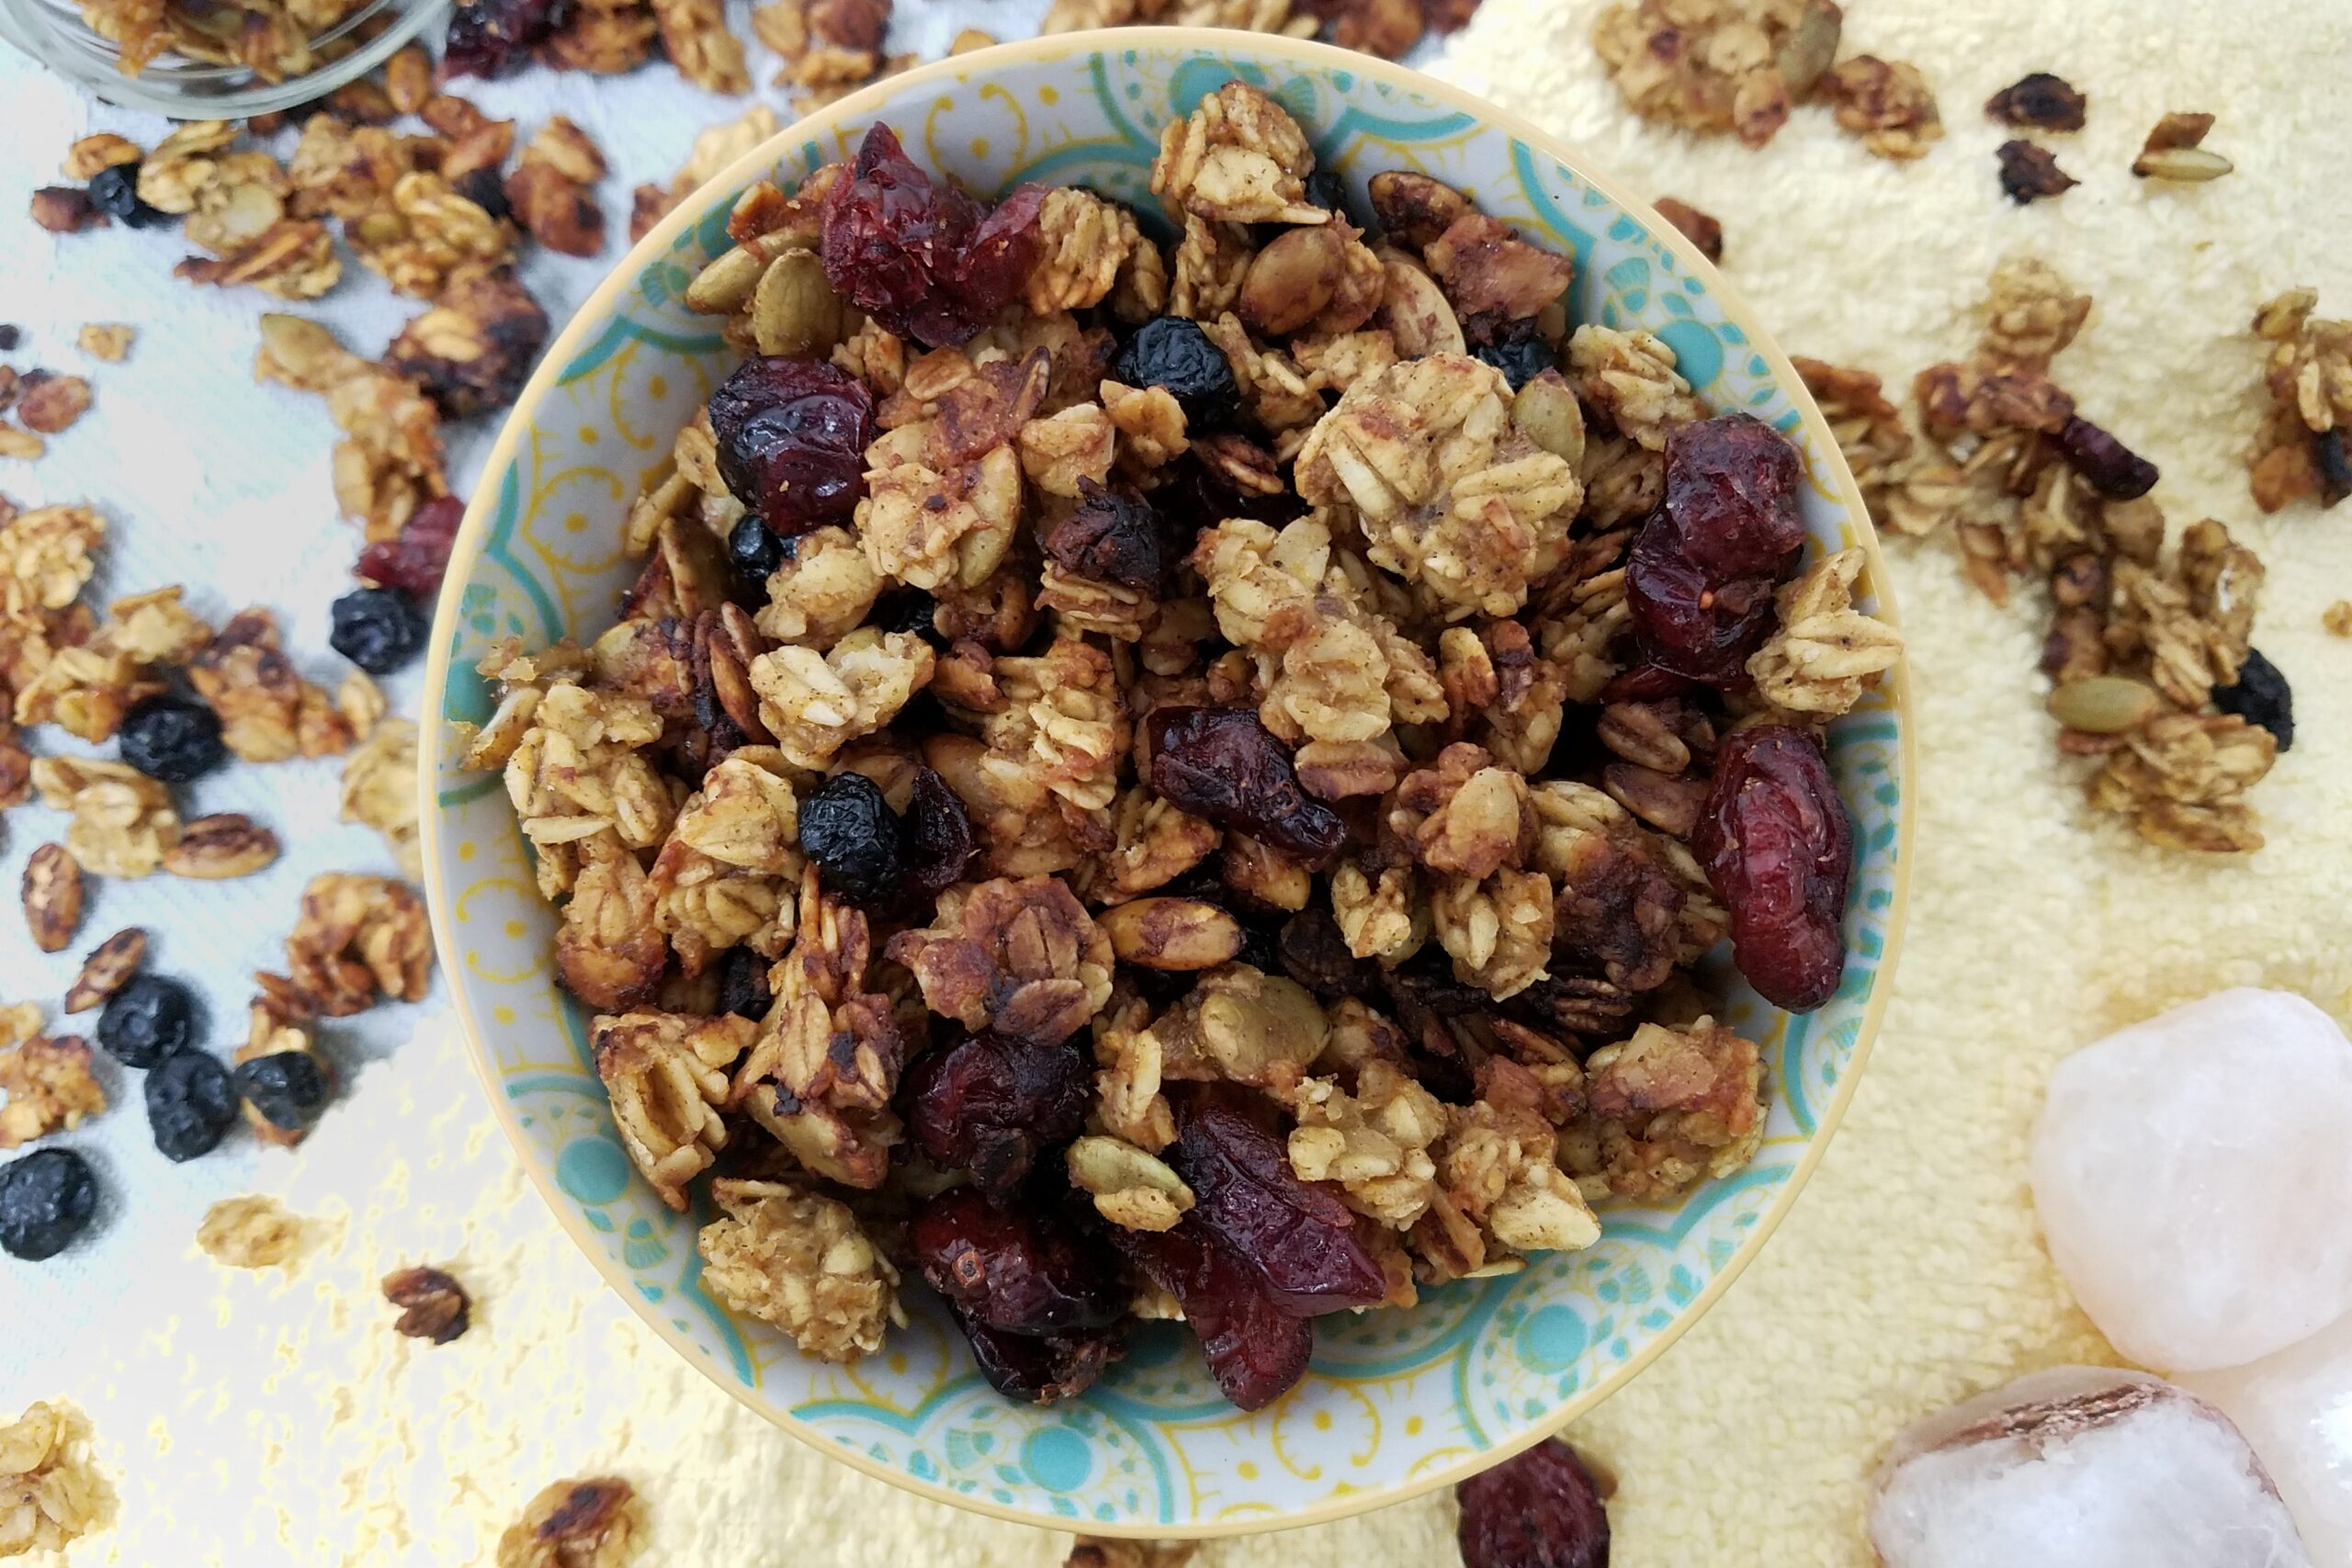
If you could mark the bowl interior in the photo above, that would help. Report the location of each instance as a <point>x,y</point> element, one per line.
<point>1396,1402</point>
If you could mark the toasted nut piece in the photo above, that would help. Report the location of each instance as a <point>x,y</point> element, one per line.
<point>108,964</point>
<point>1133,1189</point>
<point>1412,208</point>
<point>1170,933</point>
<point>52,895</point>
<point>2104,705</point>
<point>432,1306</point>
<point>226,844</point>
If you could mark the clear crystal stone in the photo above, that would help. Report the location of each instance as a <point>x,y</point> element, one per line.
<point>2295,1409</point>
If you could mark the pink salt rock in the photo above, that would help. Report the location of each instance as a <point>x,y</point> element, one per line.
<point>2295,1409</point>
<point>2193,1175</point>
<point>2080,1467</point>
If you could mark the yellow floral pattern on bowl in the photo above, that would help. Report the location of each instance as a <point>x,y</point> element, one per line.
<point>1395,1402</point>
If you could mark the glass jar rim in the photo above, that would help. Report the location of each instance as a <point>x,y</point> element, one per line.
<point>88,60</point>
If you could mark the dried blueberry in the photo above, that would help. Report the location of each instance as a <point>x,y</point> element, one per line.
<point>743,984</point>
<point>380,629</point>
<point>1113,535</point>
<point>936,840</point>
<point>1176,354</point>
<point>1519,355</point>
<point>1039,1370</point>
<point>991,1105</point>
<point>11,335</point>
<point>147,1019</point>
<point>792,435</point>
<point>288,1087</point>
<point>489,37</point>
<point>1021,1269</point>
<point>171,738</point>
<point>190,1104</point>
<point>115,192</point>
<point>2334,466</point>
<point>1223,764</point>
<point>753,552</point>
<point>1539,1509</point>
<point>2261,697</point>
<point>46,1198</point>
<point>847,829</point>
<point>1326,190</point>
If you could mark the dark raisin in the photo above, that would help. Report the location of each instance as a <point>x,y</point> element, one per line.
<point>190,1104</point>
<point>1256,1351</point>
<point>1647,683</point>
<point>847,829</point>
<point>489,37</point>
<point>115,192</point>
<point>2029,173</point>
<point>2334,466</point>
<point>1261,942</point>
<point>171,738</point>
<point>921,257</point>
<point>380,629</point>
<point>1193,496</point>
<point>906,610</point>
<point>1299,1238</point>
<point>46,1200</point>
<point>1779,850</point>
<point>2106,464</point>
<point>2261,697</point>
<point>991,1105</point>
<point>1538,1510</point>
<point>1517,352</point>
<point>1039,1371</point>
<point>288,1087</point>
<point>12,337</point>
<point>1113,535</point>
<point>1686,623</point>
<point>1021,1269</point>
<point>1731,489</point>
<point>413,559</point>
<point>1176,354</point>
<point>792,435</point>
<point>486,188</point>
<point>753,552</point>
<point>1223,764</point>
<point>743,984</point>
<point>936,840</point>
<point>1326,190</point>
<point>147,1019</point>
<point>1315,953</point>
<point>2039,102</point>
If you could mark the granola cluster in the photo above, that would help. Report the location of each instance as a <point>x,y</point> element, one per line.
<point>51,1493</point>
<point>2149,646</point>
<point>1257,726</point>
<point>1740,66</point>
<point>1389,28</point>
<point>272,38</point>
<point>2303,450</point>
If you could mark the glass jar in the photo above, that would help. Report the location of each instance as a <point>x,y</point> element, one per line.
<point>54,32</point>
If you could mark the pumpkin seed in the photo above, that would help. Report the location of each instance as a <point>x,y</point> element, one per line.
<point>1170,933</point>
<point>720,288</point>
<point>2103,704</point>
<point>1812,44</point>
<point>794,310</point>
<point>2191,164</point>
<point>1546,411</point>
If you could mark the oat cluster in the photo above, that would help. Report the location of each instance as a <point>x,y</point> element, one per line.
<point>1261,720</point>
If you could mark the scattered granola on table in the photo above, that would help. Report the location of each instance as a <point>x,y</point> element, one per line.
<point>2303,448</point>
<point>249,1231</point>
<point>49,1087</point>
<point>51,1492</point>
<point>1092,721</point>
<point>432,1305</point>
<point>595,1523</point>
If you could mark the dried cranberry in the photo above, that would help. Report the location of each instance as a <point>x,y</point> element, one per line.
<point>743,984</point>
<point>2106,464</point>
<point>1297,1237</point>
<point>1222,764</point>
<point>1256,1351</point>
<point>989,1104</point>
<point>1539,1509</point>
<point>2041,101</point>
<point>2261,697</point>
<point>1040,1370</point>
<point>924,259</point>
<point>1731,491</point>
<point>1685,622</point>
<point>1647,683</point>
<point>1113,535</point>
<point>1315,953</point>
<point>1175,353</point>
<point>489,37</point>
<point>936,840</point>
<point>1777,845</point>
<point>413,559</point>
<point>1021,1269</point>
<point>792,435</point>
<point>846,827</point>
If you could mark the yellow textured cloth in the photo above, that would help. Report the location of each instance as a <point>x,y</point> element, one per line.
<point>267,1417</point>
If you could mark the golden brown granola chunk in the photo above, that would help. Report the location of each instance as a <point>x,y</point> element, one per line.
<point>1717,65</point>
<point>551,189</point>
<point>1499,1194</point>
<point>51,1492</point>
<point>1824,652</point>
<point>2181,779</point>
<point>666,1074</point>
<point>790,1256</point>
<point>1887,104</point>
<point>124,823</point>
<point>49,1087</point>
<point>1238,158</point>
<point>1667,1107</point>
<point>267,712</point>
<point>595,1523</point>
<point>357,938</point>
<point>1022,958</point>
<point>249,1231</point>
<point>2301,450</point>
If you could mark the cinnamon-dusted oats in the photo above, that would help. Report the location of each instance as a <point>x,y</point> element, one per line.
<point>267,711</point>
<point>1131,1188</point>
<point>1501,1193</point>
<point>695,36</point>
<point>1019,957</point>
<point>49,1087</point>
<point>359,938</point>
<point>422,231</point>
<point>667,1076</point>
<point>124,823</point>
<point>1668,1107</point>
<point>1717,65</point>
<point>796,1258</point>
<point>1373,1141</point>
<point>1237,158</point>
<point>1824,652</point>
<point>2302,449</point>
<point>50,1491</point>
<point>2181,779</point>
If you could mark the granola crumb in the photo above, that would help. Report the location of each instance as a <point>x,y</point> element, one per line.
<point>251,1231</point>
<point>49,1089</point>
<point>109,340</point>
<point>2338,618</point>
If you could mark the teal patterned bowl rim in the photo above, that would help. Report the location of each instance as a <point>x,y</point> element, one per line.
<point>1396,1403</point>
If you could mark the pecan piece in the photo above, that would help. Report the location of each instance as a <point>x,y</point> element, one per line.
<point>107,965</point>
<point>52,897</point>
<point>223,845</point>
